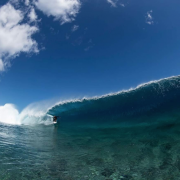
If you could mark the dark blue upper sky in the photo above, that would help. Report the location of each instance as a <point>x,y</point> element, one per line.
<point>114,48</point>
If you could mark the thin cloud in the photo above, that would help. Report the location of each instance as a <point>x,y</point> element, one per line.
<point>32,15</point>
<point>90,45</point>
<point>63,10</point>
<point>113,3</point>
<point>27,2</point>
<point>149,18</point>
<point>122,5</point>
<point>15,36</point>
<point>2,68</point>
<point>75,28</point>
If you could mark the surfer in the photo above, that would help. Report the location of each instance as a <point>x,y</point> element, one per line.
<point>55,119</point>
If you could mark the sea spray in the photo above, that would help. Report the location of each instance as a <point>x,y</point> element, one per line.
<point>35,113</point>
<point>9,114</point>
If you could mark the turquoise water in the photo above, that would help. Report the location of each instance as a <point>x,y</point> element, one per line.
<point>61,153</point>
<point>130,135</point>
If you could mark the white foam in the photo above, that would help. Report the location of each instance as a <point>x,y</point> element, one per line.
<point>9,114</point>
<point>33,114</point>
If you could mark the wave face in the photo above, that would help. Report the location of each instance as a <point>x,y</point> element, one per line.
<point>153,99</point>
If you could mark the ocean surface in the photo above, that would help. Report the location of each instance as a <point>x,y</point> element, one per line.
<point>129,135</point>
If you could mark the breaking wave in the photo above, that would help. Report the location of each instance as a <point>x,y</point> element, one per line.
<point>149,99</point>
<point>155,98</point>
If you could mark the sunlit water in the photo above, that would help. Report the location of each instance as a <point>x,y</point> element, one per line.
<point>75,152</point>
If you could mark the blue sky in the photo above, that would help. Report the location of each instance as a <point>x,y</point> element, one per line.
<point>67,49</point>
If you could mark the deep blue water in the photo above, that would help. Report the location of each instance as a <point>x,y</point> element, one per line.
<point>131,135</point>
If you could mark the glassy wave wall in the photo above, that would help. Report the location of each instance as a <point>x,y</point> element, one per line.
<point>156,99</point>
